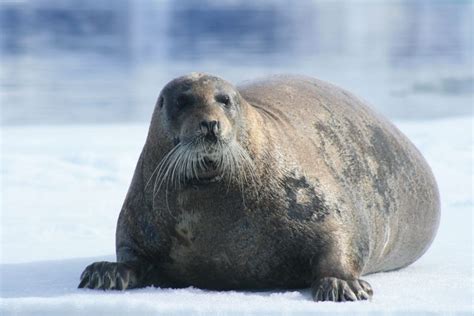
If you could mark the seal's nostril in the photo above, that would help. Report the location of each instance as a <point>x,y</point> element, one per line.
<point>204,125</point>
<point>214,126</point>
<point>210,127</point>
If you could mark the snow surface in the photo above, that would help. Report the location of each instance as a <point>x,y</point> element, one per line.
<point>62,188</point>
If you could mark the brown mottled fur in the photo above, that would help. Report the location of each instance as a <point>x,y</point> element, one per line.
<point>336,192</point>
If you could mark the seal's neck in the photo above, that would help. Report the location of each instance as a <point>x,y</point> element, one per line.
<point>257,139</point>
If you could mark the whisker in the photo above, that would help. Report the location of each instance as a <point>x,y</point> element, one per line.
<point>185,161</point>
<point>160,164</point>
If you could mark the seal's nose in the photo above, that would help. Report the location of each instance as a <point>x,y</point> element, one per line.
<point>210,128</point>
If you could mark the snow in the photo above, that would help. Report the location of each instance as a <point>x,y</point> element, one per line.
<point>62,188</point>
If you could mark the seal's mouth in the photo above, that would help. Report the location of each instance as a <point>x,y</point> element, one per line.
<point>210,164</point>
<point>209,172</point>
<point>202,180</point>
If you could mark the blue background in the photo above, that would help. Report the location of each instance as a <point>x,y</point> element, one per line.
<point>103,61</point>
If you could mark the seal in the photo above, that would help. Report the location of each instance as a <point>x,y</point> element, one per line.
<point>285,182</point>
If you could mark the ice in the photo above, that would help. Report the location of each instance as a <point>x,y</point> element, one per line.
<point>62,189</point>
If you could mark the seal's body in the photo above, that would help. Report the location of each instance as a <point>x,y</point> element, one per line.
<point>281,183</point>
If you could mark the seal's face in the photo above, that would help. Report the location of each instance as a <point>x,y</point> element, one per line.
<point>202,115</point>
<point>199,107</point>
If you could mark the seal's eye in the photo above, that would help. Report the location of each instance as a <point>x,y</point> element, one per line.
<point>160,102</point>
<point>184,100</point>
<point>223,98</point>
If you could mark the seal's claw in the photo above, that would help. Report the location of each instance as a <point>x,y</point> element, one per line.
<point>107,281</point>
<point>337,290</point>
<point>85,277</point>
<point>108,276</point>
<point>367,287</point>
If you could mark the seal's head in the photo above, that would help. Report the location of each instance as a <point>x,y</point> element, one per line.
<point>199,107</point>
<point>202,117</point>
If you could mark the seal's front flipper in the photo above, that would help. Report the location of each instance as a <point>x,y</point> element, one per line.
<point>112,276</point>
<point>338,290</point>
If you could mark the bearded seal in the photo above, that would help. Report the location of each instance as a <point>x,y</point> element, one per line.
<point>286,182</point>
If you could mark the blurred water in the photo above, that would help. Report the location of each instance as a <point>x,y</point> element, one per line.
<point>106,60</point>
